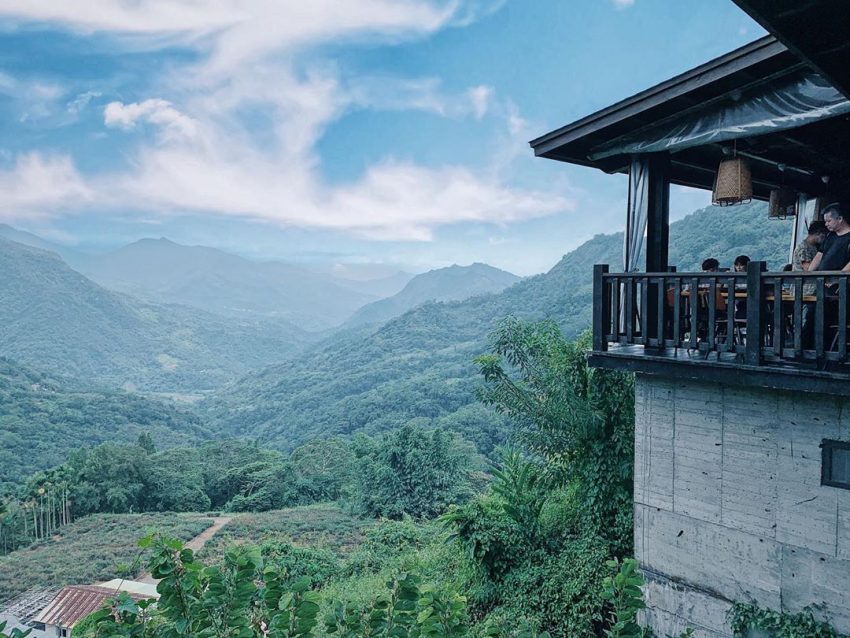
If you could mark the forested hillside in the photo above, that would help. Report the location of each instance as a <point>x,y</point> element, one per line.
<point>53,318</point>
<point>420,365</point>
<point>43,419</point>
<point>454,283</point>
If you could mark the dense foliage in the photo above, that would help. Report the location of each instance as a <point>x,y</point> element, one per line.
<point>411,471</point>
<point>42,419</point>
<point>747,618</point>
<point>249,596</point>
<point>579,422</point>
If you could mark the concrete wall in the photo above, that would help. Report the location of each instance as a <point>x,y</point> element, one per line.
<point>729,505</point>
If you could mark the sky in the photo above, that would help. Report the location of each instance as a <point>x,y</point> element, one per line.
<point>331,131</point>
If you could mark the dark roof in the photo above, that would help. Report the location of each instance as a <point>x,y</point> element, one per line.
<point>751,64</point>
<point>75,602</point>
<point>820,148</point>
<point>817,31</point>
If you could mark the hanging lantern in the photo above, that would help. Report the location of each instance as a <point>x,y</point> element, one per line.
<point>783,203</point>
<point>733,183</point>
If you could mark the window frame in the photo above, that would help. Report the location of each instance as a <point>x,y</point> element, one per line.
<point>827,446</point>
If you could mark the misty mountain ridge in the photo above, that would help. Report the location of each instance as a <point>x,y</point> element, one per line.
<point>454,283</point>
<point>163,271</point>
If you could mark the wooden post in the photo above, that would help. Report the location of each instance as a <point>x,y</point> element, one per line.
<point>658,212</point>
<point>755,325</point>
<point>601,309</point>
<point>657,240</point>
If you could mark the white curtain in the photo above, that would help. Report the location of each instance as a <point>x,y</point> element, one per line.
<point>636,212</point>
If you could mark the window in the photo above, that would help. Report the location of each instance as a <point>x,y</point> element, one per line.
<point>835,471</point>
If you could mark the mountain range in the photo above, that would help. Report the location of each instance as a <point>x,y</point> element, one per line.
<point>420,365</point>
<point>267,379</point>
<point>162,271</point>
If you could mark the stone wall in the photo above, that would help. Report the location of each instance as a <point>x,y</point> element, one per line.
<point>729,505</point>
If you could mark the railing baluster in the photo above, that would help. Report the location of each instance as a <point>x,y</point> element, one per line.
<point>842,319</point>
<point>617,315</point>
<point>730,315</point>
<point>712,311</point>
<point>661,297</point>
<point>693,305</point>
<point>630,310</point>
<point>643,319</point>
<point>677,311</point>
<point>778,324</point>
<point>819,317</point>
<point>798,317</point>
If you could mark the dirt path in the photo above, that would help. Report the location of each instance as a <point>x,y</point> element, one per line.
<point>195,544</point>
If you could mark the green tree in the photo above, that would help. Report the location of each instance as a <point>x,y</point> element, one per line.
<point>579,421</point>
<point>411,471</point>
<point>145,442</point>
<point>325,468</point>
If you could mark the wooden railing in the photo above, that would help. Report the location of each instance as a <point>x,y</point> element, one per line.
<point>753,317</point>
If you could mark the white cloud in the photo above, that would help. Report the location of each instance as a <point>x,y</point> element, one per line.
<point>81,101</point>
<point>421,94</point>
<point>37,185</point>
<point>623,4</point>
<point>236,32</point>
<point>480,97</point>
<point>211,159</point>
<point>154,111</point>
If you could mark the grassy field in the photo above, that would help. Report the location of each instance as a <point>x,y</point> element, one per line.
<point>323,526</point>
<point>90,550</point>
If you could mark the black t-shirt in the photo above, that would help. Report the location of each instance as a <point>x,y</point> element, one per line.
<point>836,252</point>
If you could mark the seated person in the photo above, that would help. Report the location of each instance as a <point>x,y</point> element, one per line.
<point>740,265</point>
<point>710,265</point>
<point>787,268</point>
<point>741,262</point>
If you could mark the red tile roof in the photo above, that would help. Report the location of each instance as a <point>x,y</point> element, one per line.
<point>75,602</point>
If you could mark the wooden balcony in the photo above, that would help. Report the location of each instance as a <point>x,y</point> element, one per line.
<point>786,330</point>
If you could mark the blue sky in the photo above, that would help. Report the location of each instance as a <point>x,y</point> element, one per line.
<point>386,131</point>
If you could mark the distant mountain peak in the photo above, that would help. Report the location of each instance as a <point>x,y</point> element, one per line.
<point>452,283</point>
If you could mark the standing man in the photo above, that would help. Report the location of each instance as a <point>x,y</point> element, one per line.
<point>834,253</point>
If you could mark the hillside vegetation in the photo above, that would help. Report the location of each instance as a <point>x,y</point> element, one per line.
<point>419,366</point>
<point>93,549</point>
<point>42,419</point>
<point>54,318</point>
<point>324,526</point>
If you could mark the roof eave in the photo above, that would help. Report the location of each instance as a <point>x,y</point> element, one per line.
<point>705,74</point>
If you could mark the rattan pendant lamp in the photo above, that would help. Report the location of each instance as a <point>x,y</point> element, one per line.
<point>783,200</point>
<point>733,183</point>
